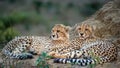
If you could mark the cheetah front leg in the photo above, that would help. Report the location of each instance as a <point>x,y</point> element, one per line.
<point>72,54</point>
<point>57,55</point>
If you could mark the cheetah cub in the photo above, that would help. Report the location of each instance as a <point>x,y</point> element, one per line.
<point>83,33</point>
<point>25,47</point>
<point>60,40</point>
<point>104,50</point>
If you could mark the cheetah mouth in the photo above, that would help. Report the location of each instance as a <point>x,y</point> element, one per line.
<point>82,37</point>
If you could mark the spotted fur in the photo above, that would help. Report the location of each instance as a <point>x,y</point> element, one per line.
<point>20,47</point>
<point>25,46</point>
<point>104,49</point>
<point>71,45</point>
<point>64,45</point>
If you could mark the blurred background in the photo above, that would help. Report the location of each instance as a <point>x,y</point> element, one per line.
<point>37,17</point>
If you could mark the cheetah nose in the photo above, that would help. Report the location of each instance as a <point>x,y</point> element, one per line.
<point>53,35</point>
<point>81,33</point>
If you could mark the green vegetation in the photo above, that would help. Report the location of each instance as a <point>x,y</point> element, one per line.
<point>95,58</point>
<point>7,31</point>
<point>42,60</point>
<point>7,22</point>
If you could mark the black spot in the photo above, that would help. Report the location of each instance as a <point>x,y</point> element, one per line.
<point>56,60</point>
<point>26,42</point>
<point>66,60</point>
<point>33,53</point>
<point>29,56</point>
<point>29,42</point>
<point>78,52</point>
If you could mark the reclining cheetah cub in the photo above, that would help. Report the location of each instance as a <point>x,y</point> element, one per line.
<point>25,46</point>
<point>60,40</point>
<point>103,49</point>
<point>84,33</point>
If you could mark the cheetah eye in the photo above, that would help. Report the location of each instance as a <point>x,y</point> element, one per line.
<point>58,30</point>
<point>52,30</point>
<point>79,28</point>
<point>86,29</point>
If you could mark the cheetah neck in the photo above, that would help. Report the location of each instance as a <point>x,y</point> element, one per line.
<point>88,38</point>
<point>56,42</point>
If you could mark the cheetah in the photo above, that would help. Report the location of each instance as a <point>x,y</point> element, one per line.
<point>60,40</point>
<point>103,49</point>
<point>74,43</point>
<point>24,47</point>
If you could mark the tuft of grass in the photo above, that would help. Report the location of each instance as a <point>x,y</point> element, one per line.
<point>95,58</point>
<point>42,60</point>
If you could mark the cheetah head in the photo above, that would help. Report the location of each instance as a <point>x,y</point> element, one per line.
<point>84,31</point>
<point>60,32</point>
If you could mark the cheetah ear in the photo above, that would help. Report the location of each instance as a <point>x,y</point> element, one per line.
<point>76,26</point>
<point>68,28</point>
<point>91,27</point>
<point>59,25</point>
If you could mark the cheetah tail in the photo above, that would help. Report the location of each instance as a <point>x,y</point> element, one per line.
<point>81,62</point>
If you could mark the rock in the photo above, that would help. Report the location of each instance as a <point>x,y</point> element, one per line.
<point>106,21</point>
